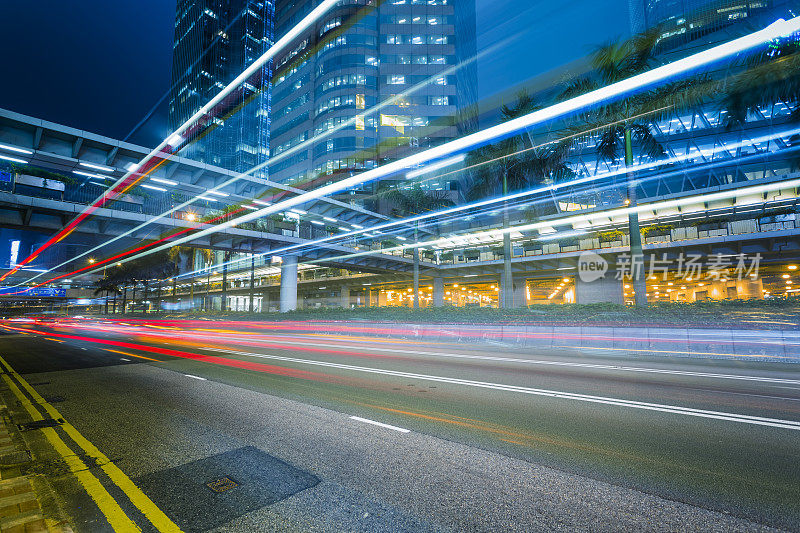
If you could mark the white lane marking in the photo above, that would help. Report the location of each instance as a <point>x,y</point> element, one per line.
<point>381,424</point>
<point>195,377</point>
<point>84,348</point>
<point>123,359</point>
<point>559,363</point>
<point>676,409</point>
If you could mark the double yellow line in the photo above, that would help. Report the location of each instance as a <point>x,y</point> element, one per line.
<point>115,515</point>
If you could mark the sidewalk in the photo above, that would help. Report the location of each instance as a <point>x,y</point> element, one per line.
<point>20,503</point>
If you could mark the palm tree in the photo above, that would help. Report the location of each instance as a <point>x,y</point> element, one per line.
<point>176,255</point>
<point>766,79</point>
<point>139,270</point>
<point>413,201</point>
<point>510,165</point>
<point>207,255</point>
<point>623,124</point>
<point>106,285</point>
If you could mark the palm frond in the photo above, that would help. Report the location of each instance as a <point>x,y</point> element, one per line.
<point>648,143</point>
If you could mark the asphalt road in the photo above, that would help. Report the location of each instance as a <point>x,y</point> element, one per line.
<point>480,437</point>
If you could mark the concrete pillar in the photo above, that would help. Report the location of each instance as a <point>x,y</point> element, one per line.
<point>506,290</point>
<point>251,308</point>
<point>265,301</point>
<point>438,292</point>
<point>289,284</point>
<point>223,304</point>
<point>344,295</point>
<point>382,300</point>
<point>372,297</point>
<point>749,288</point>
<point>520,293</point>
<point>603,290</point>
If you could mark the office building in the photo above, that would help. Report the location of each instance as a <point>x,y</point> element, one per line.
<point>415,59</point>
<point>215,40</point>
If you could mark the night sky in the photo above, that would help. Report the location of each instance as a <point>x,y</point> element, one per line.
<point>100,65</point>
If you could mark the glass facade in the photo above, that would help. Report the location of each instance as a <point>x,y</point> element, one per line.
<point>683,21</point>
<point>373,82</point>
<point>215,40</point>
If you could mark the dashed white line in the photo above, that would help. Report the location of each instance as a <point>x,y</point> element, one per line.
<point>195,377</point>
<point>381,424</point>
<point>123,359</point>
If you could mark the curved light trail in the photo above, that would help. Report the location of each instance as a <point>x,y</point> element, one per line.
<point>680,68</point>
<point>175,140</point>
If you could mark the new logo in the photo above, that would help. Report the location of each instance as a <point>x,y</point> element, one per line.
<point>591,267</point>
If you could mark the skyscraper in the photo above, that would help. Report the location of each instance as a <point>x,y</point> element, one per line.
<point>415,58</point>
<point>215,40</point>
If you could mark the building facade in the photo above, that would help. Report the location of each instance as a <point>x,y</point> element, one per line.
<point>684,21</point>
<point>215,40</point>
<point>374,81</point>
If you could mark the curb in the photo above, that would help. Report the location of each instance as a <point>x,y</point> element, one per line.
<point>20,505</point>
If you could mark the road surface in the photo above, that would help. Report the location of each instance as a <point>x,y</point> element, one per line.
<point>322,431</point>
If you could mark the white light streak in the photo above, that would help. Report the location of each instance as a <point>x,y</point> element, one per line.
<point>13,159</point>
<point>435,166</point>
<point>15,149</point>
<point>676,69</point>
<point>101,168</point>
<point>174,140</point>
<point>90,175</point>
<point>165,182</point>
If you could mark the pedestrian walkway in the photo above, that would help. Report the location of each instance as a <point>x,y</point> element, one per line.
<point>20,508</point>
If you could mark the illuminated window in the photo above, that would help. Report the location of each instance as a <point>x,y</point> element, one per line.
<point>14,253</point>
<point>360,101</point>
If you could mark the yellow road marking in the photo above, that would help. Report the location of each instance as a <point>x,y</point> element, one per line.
<point>155,515</point>
<point>105,502</point>
<point>131,354</point>
<point>54,340</point>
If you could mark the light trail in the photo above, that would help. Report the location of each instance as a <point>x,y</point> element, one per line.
<point>619,402</point>
<point>471,207</point>
<point>173,142</point>
<point>273,160</point>
<point>679,68</point>
<point>497,234</point>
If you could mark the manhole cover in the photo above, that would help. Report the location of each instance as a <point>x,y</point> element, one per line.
<point>198,495</point>
<point>222,484</point>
